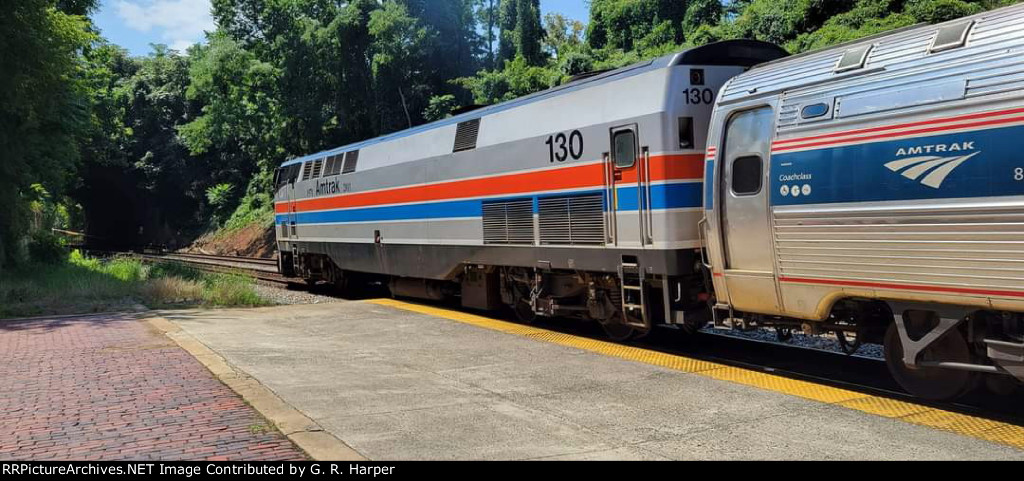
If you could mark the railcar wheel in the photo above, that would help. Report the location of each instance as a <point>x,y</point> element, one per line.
<point>849,347</point>
<point>931,382</point>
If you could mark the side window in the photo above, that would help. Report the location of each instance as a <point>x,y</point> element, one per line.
<point>813,111</point>
<point>624,149</point>
<point>746,175</point>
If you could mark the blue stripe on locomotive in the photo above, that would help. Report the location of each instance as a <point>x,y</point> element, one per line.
<point>663,196</point>
<point>857,173</point>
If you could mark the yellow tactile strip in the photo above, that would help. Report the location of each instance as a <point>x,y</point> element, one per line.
<point>962,424</point>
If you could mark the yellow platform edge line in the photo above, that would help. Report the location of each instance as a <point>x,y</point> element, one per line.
<point>908,412</point>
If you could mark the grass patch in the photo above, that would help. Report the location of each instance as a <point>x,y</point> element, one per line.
<point>86,284</point>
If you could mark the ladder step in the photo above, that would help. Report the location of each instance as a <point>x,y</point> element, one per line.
<point>632,288</point>
<point>632,306</point>
<point>630,264</point>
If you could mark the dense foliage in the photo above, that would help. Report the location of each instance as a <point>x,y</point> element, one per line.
<point>158,148</point>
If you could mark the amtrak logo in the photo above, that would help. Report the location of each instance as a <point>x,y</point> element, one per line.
<point>932,170</point>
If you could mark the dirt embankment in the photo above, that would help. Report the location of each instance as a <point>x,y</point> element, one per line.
<point>254,240</point>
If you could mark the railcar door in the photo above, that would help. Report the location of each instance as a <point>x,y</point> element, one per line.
<point>746,232</point>
<point>627,179</point>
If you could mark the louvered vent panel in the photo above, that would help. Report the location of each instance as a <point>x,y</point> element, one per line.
<point>307,168</point>
<point>318,166</point>
<point>350,162</point>
<point>575,220</point>
<point>333,165</point>
<point>508,222</point>
<point>465,135</point>
<point>553,214</point>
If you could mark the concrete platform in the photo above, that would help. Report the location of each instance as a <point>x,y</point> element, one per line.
<point>395,384</point>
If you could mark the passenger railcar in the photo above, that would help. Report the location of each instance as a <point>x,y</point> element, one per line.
<point>876,188</point>
<point>582,200</point>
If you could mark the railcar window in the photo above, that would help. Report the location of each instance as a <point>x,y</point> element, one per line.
<point>813,111</point>
<point>624,149</point>
<point>746,175</point>
<point>686,133</point>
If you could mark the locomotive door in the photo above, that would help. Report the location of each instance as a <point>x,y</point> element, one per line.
<point>293,175</point>
<point>627,180</point>
<point>746,232</point>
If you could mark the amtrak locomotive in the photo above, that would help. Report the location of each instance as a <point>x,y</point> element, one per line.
<point>873,189</point>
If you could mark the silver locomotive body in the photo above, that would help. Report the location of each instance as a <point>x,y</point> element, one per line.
<point>542,203</point>
<point>880,181</point>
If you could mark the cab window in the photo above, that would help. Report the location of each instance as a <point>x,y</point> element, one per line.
<point>624,149</point>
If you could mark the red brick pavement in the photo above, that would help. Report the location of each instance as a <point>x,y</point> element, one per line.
<point>111,387</point>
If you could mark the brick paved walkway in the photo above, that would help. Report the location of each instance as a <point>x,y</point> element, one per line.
<point>111,387</point>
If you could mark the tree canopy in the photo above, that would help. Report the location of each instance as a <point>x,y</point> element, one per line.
<point>161,147</point>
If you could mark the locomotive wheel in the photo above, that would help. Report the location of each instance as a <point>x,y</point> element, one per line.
<point>933,383</point>
<point>617,331</point>
<point>523,312</point>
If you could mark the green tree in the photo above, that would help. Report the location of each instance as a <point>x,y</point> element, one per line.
<point>400,60</point>
<point>622,24</point>
<point>238,131</point>
<point>562,34</point>
<point>701,13</point>
<point>487,17</point>
<point>521,31</point>
<point>44,106</point>
<point>439,107</point>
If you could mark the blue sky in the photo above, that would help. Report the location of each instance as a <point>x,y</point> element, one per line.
<point>134,24</point>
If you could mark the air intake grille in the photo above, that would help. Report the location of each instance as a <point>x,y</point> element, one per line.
<point>333,165</point>
<point>465,135</point>
<point>575,220</point>
<point>317,167</point>
<point>508,222</point>
<point>350,162</point>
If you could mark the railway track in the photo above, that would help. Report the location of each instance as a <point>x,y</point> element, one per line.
<point>261,268</point>
<point>855,373</point>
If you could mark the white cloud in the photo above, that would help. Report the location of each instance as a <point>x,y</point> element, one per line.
<point>178,23</point>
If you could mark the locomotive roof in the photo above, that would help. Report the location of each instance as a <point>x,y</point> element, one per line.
<point>891,51</point>
<point>744,53</point>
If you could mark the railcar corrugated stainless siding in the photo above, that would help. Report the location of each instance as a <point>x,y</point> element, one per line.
<point>905,189</point>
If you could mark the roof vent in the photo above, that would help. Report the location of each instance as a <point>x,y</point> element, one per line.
<point>465,135</point>
<point>951,36</point>
<point>350,162</point>
<point>853,58</point>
